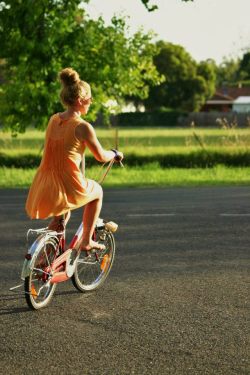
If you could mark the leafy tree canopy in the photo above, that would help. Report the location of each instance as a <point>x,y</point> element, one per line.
<point>244,67</point>
<point>187,84</point>
<point>37,41</point>
<point>152,7</point>
<point>227,73</point>
<point>232,72</point>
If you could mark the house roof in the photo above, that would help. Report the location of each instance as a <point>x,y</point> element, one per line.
<point>213,101</point>
<point>234,92</point>
<point>228,95</point>
<point>221,97</point>
<point>242,100</point>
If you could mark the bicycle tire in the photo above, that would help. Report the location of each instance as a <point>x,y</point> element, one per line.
<point>91,271</point>
<point>37,286</point>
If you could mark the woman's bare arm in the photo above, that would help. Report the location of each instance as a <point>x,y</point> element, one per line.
<point>86,133</point>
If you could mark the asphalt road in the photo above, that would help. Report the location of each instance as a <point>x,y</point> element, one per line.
<point>176,300</point>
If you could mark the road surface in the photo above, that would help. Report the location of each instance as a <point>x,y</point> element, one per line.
<point>175,302</point>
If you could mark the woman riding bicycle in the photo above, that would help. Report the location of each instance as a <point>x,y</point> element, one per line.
<point>59,186</point>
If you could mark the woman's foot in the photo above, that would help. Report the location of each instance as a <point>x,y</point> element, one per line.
<point>87,246</point>
<point>57,225</point>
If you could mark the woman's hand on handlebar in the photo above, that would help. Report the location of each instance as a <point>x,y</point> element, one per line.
<point>118,156</point>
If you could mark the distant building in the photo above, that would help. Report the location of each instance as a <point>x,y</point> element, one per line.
<point>235,92</point>
<point>242,104</point>
<point>218,103</point>
<point>224,98</point>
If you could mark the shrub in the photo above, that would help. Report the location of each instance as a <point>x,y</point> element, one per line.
<point>194,159</point>
<point>154,118</point>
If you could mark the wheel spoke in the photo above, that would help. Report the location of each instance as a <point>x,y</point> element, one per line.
<point>46,255</point>
<point>89,274</point>
<point>40,270</point>
<point>82,261</point>
<point>38,289</point>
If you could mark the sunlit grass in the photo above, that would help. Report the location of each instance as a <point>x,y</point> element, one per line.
<point>142,141</point>
<point>149,175</point>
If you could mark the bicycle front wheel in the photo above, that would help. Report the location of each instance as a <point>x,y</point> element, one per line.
<point>38,288</point>
<point>92,270</point>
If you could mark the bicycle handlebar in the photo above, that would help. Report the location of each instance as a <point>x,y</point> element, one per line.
<point>117,157</point>
<point>110,164</point>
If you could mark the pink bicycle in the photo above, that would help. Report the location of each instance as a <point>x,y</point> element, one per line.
<point>48,262</point>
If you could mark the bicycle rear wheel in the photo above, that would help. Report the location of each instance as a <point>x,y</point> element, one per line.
<point>37,286</point>
<point>92,270</point>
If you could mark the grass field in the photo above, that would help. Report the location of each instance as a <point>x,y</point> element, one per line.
<point>149,176</point>
<point>143,141</point>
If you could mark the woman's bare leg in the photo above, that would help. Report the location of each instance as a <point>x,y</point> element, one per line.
<point>53,225</point>
<point>90,215</point>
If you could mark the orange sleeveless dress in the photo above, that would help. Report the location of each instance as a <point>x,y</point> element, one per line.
<point>59,185</point>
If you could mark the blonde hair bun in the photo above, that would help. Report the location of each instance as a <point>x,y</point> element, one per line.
<point>72,87</point>
<point>69,77</point>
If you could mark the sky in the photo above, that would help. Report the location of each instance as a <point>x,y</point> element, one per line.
<point>205,28</point>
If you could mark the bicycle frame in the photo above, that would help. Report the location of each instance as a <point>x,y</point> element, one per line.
<point>62,267</point>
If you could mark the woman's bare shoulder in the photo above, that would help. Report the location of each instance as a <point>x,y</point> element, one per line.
<point>83,130</point>
<point>84,122</point>
<point>51,121</point>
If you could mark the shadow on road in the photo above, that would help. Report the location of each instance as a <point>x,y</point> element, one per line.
<point>13,310</point>
<point>17,296</point>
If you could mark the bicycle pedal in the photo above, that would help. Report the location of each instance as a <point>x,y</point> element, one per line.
<point>111,226</point>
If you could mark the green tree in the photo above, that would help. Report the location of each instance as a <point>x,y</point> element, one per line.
<point>227,73</point>
<point>244,67</point>
<point>38,40</point>
<point>232,72</point>
<point>207,70</point>
<point>153,7</point>
<point>187,84</point>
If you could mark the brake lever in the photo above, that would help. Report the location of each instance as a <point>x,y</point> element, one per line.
<point>119,161</point>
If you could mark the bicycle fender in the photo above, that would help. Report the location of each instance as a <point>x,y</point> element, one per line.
<point>26,269</point>
<point>30,256</point>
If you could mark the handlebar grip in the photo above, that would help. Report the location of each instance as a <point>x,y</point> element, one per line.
<point>117,158</point>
